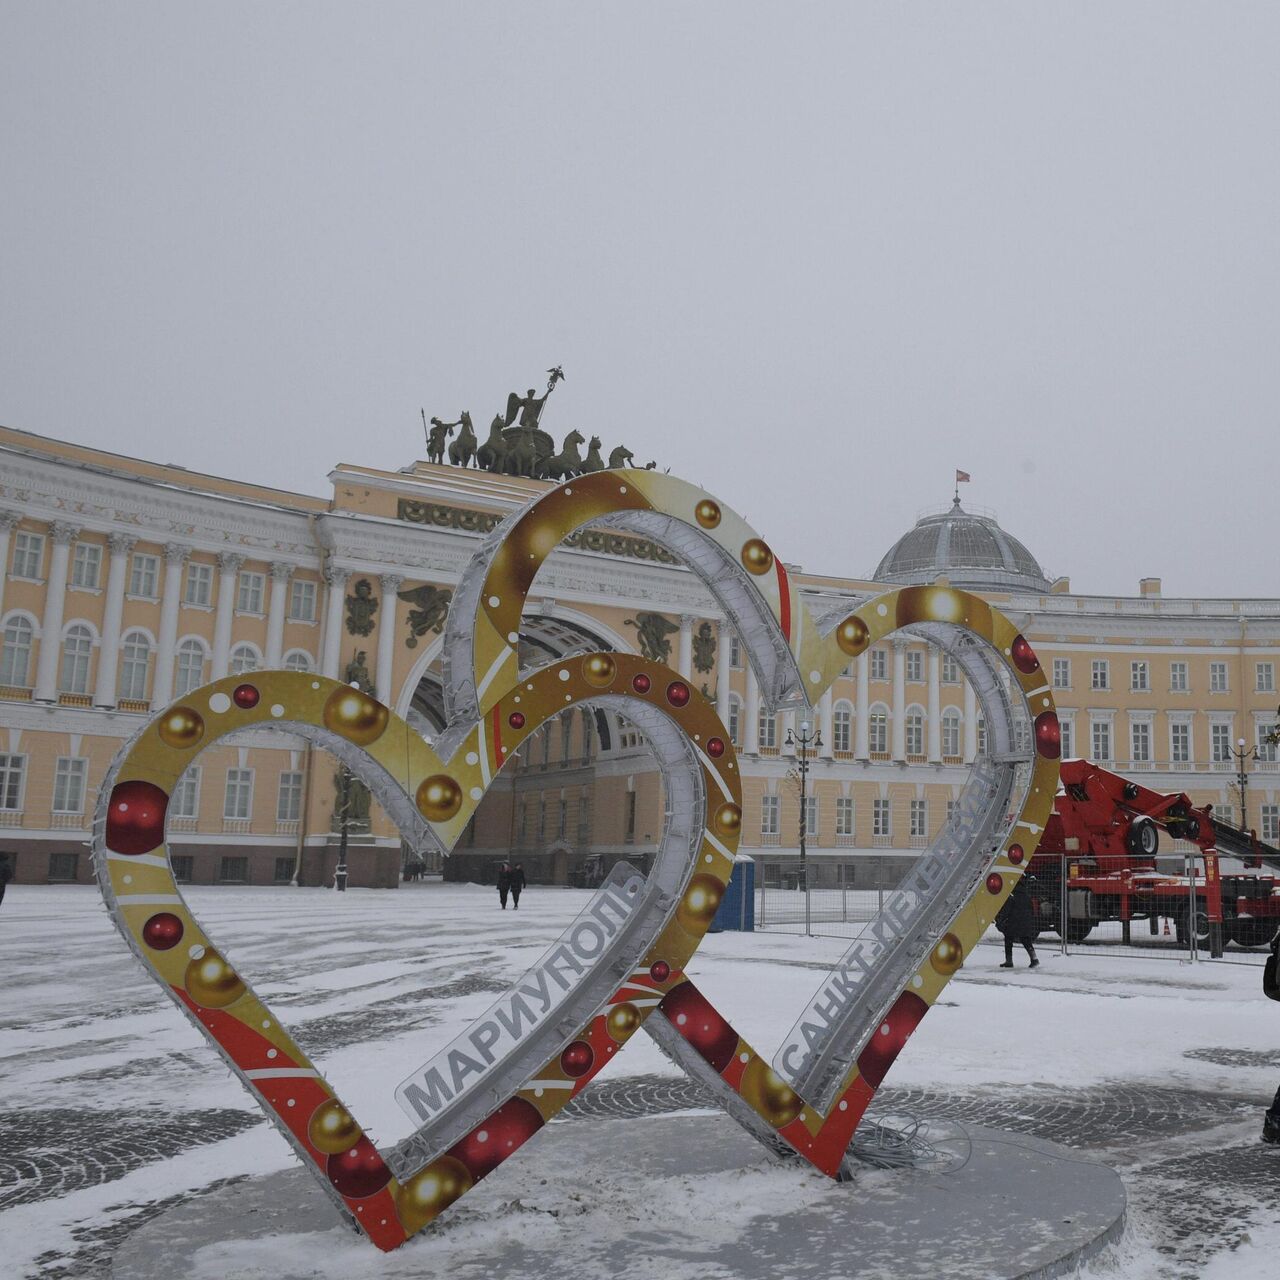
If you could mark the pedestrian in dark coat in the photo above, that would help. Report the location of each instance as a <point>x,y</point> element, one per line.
<point>517,883</point>
<point>6,874</point>
<point>504,884</point>
<point>1271,988</point>
<point>1017,921</point>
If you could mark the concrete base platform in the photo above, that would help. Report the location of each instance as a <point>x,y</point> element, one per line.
<point>676,1197</point>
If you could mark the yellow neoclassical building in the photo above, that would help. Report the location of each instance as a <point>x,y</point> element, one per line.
<point>128,583</point>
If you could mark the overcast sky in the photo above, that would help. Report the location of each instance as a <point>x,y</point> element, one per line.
<point>814,257</point>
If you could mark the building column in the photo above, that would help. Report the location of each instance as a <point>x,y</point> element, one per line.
<point>275,614</point>
<point>826,724</point>
<point>8,522</point>
<point>386,637</point>
<point>337,581</point>
<point>684,654</point>
<point>751,730</point>
<point>61,535</point>
<point>175,556</point>
<point>970,724</point>
<point>229,563</point>
<point>104,692</point>
<point>722,676</point>
<point>862,712</point>
<point>899,698</point>
<point>935,705</point>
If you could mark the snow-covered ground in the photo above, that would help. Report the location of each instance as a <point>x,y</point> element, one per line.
<point>115,1104</point>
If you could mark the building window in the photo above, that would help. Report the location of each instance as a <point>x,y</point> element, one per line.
<point>15,655</point>
<point>1225,813</point>
<point>199,590</point>
<point>1178,677</point>
<point>183,865</point>
<point>1266,677</point>
<point>584,819</point>
<point>28,552</point>
<point>629,836</point>
<point>238,800</point>
<point>735,653</point>
<point>844,816</point>
<point>735,720</point>
<point>915,666</point>
<point>1101,674</point>
<point>768,815</point>
<point>522,825</point>
<point>289,800</point>
<point>566,740</point>
<point>1067,728</point>
<point>63,867</point>
<point>12,770</point>
<point>68,784</point>
<point>145,576</point>
<point>302,600</point>
<point>1062,673</point>
<point>919,817</point>
<point>233,869</point>
<point>1101,740</point>
<point>811,818</point>
<point>1270,831</point>
<point>86,566</point>
<point>881,818</point>
<point>1219,742</point>
<point>1266,750</point>
<point>1218,677</point>
<point>562,817</point>
<point>185,801</point>
<point>135,658</point>
<point>542,819</point>
<point>249,595</point>
<point>768,729</point>
<point>298,661</point>
<point>951,732</point>
<point>878,731</point>
<point>879,664</point>
<point>842,727</point>
<point>283,871</point>
<point>1180,742</point>
<point>1140,676</point>
<point>915,733</point>
<point>1140,742</point>
<point>189,673</point>
<point>950,670</point>
<point>244,658</point>
<point>76,649</point>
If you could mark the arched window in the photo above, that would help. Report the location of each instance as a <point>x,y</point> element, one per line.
<point>842,727</point>
<point>298,660</point>
<point>915,732</point>
<point>244,658</point>
<point>768,729</point>
<point>878,730</point>
<point>77,646</point>
<point>189,671</point>
<point>735,720</point>
<point>135,658</point>
<point>15,655</point>
<point>951,732</point>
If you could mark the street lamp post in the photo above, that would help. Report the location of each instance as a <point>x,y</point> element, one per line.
<point>803,741</point>
<point>1242,756</point>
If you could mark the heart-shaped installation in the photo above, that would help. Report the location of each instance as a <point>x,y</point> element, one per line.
<point>625,955</point>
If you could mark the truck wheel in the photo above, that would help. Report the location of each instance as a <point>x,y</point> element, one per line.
<point>1201,927</point>
<point>1252,933</point>
<point>1143,839</point>
<point>1078,930</point>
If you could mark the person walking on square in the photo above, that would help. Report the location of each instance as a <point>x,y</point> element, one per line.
<point>6,874</point>
<point>517,883</point>
<point>504,884</point>
<point>1016,921</point>
<point>1271,989</point>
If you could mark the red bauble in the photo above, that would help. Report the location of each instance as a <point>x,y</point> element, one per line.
<point>678,693</point>
<point>715,748</point>
<point>516,719</point>
<point>641,683</point>
<point>693,1017</point>
<point>889,1037</point>
<point>1016,854</point>
<point>245,696</point>
<point>1023,655</point>
<point>1048,735</point>
<point>494,1139</point>
<point>162,931</point>
<point>359,1171</point>
<point>577,1058</point>
<point>135,817</point>
<point>995,882</point>
<point>659,971</point>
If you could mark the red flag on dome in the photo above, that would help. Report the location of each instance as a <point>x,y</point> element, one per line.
<point>962,477</point>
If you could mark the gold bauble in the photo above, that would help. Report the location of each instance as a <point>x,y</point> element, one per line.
<point>211,982</point>
<point>430,1192</point>
<point>727,820</point>
<point>947,955</point>
<point>621,1021</point>
<point>599,670</point>
<point>756,556</point>
<point>852,636</point>
<point>439,798</point>
<point>700,902</point>
<point>769,1093</point>
<point>181,727</point>
<point>355,715</point>
<point>332,1128</point>
<point>707,513</point>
